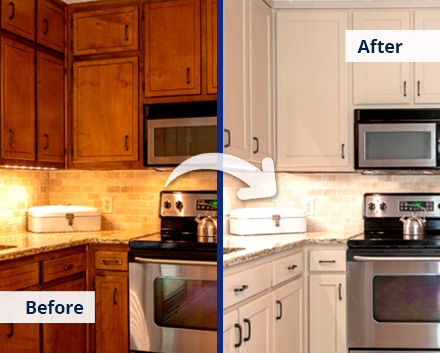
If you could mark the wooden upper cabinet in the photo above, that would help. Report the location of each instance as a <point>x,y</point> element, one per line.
<point>212,45</point>
<point>50,25</point>
<point>50,108</point>
<point>18,16</point>
<point>18,100</point>
<point>172,48</point>
<point>105,110</point>
<point>105,31</point>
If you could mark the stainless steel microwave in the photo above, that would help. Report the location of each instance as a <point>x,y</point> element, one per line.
<point>397,139</point>
<point>178,131</point>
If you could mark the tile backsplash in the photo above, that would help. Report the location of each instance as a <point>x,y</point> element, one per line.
<point>337,197</point>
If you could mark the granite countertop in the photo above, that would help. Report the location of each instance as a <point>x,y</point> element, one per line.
<point>27,243</point>
<point>256,246</point>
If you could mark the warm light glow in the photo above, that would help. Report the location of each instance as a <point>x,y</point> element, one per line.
<point>27,168</point>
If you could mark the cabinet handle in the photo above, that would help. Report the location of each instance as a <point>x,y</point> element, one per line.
<point>12,5</point>
<point>114,296</point>
<point>126,32</point>
<point>240,336</point>
<point>228,132</point>
<point>11,332</point>
<point>258,145</point>
<point>281,309</point>
<point>68,267</point>
<point>12,131</point>
<point>290,268</point>
<point>46,22</point>
<point>187,76</point>
<point>343,151</point>
<point>404,88</point>
<point>340,291</point>
<point>248,322</point>
<point>418,88</point>
<point>126,142</point>
<point>46,136</point>
<point>110,262</point>
<point>327,261</point>
<point>243,288</point>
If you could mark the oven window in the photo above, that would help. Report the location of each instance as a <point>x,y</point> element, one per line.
<point>397,145</point>
<point>185,303</point>
<point>406,298</point>
<point>184,140</point>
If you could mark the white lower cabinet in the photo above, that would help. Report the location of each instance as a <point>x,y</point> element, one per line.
<point>232,332</point>
<point>327,315</point>
<point>288,326</point>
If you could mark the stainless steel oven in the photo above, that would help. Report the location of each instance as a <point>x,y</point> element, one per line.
<point>397,138</point>
<point>176,132</point>
<point>173,305</point>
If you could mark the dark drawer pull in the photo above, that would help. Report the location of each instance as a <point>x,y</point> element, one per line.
<point>46,30</point>
<point>188,81</point>
<point>12,143</point>
<point>240,336</point>
<point>243,288</point>
<point>12,5</point>
<point>290,268</point>
<point>46,147</point>
<point>280,304</point>
<point>327,261</point>
<point>115,292</point>
<point>126,32</point>
<point>248,322</point>
<point>228,132</point>
<point>110,262</point>
<point>68,267</point>
<point>11,332</point>
<point>126,143</point>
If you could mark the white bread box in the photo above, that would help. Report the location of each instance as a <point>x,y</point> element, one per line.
<point>267,220</point>
<point>49,219</point>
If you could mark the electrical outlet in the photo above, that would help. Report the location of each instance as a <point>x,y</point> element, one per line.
<point>107,204</point>
<point>309,207</point>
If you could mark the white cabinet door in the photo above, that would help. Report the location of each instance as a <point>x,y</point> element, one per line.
<point>427,83</point>
<point>260,80</point>
<point>381,83</point>
<point>231,333</point>
<point>312,91</point>
<point>327,310</point>
<point>235,79</point>
<point>256,318</point>
<point>289,318</point>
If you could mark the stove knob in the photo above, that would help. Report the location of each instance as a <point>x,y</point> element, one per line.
<point>179,205</point>
<point>167,204</point>
<point>383,206</point>
<point>371,206</point>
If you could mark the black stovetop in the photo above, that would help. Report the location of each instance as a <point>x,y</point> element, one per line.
<point>394,240</point>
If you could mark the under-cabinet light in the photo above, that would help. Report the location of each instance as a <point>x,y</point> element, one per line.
<point>27,168</point>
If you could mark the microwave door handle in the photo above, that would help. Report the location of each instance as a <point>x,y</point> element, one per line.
<point>395,258</point>
<point>144,260</point>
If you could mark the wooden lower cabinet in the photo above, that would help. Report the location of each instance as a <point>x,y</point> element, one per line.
<point>20,338</point>
<point>111,309</point>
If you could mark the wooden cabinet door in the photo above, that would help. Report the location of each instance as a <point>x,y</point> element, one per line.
<point>427,85</point>
<point>50,25</point>
<point>50,108</point>
<point>256,319</point>
<point>312,91</point>
<point>105,110</point>
<point>236,122</point>
<point>289,325</point>
<point>105,31</point>
<point>18,16</point>
<point>172,48</point>
<point>20,338</point>
<point>381,83</point>
<point>18,101</point>
<point>66,338</point>
<point>327,308</point>
<point>261,80</point>
<point>212,45</point>
<point>231,333</point>
<point>111,314</point>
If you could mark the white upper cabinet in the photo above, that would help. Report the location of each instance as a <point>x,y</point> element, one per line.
<point>313,130</point>
<point>427,83</point>
<point>382,83</point>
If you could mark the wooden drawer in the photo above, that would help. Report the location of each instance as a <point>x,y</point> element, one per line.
<point>63,267</point>
<point>327,261</point>
<point>245,284</point>
<point>110,260</point>
<point>112,30</point>
<point>20,277</point>
<point>287,268</point>
<point>50,25</point>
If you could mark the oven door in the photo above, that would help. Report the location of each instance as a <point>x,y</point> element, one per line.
<point>172,141</point>
<point>397,145</point>
<point>393,302</point>
<point>173,306</point>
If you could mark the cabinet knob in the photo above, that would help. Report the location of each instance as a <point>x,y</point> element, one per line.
<point>46,30</point>
<point>12,6</point>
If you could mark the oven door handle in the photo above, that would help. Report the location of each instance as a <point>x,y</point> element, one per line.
<point>144,260</point>
<point>394,258</point>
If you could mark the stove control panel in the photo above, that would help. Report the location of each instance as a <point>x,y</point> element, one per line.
<point>397,205</point>
<point>187,203</point>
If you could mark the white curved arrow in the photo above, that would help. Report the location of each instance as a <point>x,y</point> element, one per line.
<point>261,183</point>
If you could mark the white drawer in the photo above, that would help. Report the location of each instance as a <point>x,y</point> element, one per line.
<point>287,268</point>
<point>245,284</point>
<point>327,261</point>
